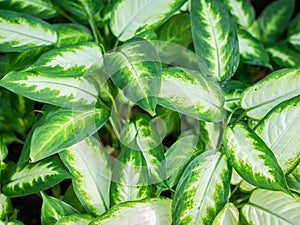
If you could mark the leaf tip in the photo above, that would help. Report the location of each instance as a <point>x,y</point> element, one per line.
<point>31,159</point>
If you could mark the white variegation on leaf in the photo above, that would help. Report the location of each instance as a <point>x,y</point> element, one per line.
<point>284,55</point>
<point>5,206</point>
<point>130,17</point>
<point>270,207</point>
<point>20,32</point>
<point>228,216</point>
<point>75,219</point>
<point>91,168</point>
<point>203,189</point>
<point>264,95</point>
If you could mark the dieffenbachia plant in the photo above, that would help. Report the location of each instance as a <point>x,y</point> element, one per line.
<point>154,112</point>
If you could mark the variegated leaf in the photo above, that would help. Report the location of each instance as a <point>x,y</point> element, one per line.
<point>277,87</point>
<point>75,219</point>
<point>279,131</point>
<point>271,207</point>
<point>60,91</point>
<point>29,178</point>
<point>39,8</point>
<point>215,37</point>
<point>63,128</point>
<point>130,17</point>
<point>20,32</point>
<point>81,8</point>
<point>5,206</point>
<point>293,33</point>
<point>152,211</point>
<point>293,179</point>
<point>242,11</point>
<point>71,61</point>
<point>191,93</point>
<point>91,168</point>
<point>228,215</point>
<point>252,159</point>
<point>284,55</point>
<point>3,154</point>
<point>211,134</point>
<point>135,68</point>
<point>203,190</point>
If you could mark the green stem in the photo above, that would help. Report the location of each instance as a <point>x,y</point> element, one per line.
<point>116,44</point>
<point>242,115</point>
<point>92,24</point>
<point>112,123</point>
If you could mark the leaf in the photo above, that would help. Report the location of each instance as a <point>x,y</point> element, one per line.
<point>75,219</point>
<point>135,68</point>
<point>53,209</point>
<point>152,211</point>
<point>91,170</point>
<point>203,100</point>
<point>81,8</point>
<point>278,129</point>
<point>242,11</point>
<point>130,17</point>
<point>29,178</point>
<point>293,32</point>
<point>194,205</point>
<point>274,19</point>
<point>215,37</point>
<point>3,154</point>
<point>270,207</point>
<point>252,51</point>
<point>60,91</point>
<point>277,87</point>
<point>71,61</point>
<point>293,179</point>
<point>5,206</point>
<point>228,215</point>
<point>252,159</point>
<point>40,8</point>
<point>20,32</point>
<point>63,128</point>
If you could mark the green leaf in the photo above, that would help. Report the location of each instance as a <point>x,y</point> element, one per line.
<point>40,8</point>
<point>278,130</point>
<point>91,170</point>
<point>228,215</point>
<point>215,37</point>
<point>53,209</point>
<point>252,51</point>
<point>63,128</point>
<point>28,178</point>
<point>203,190</point>
<point>81,8</point>
<point>135,68</point>
<point>264,95</point>
<point>252,159</point>
<point>5,206</point>
<point>270,207</point>
<point>3,154</point>
<point>242,11</point>
<point>130,17</point>
<point>60,91</point>
<point>152,211</point>
<point>211,134</point>
<point>293,179</point>
<point>293,33</point>
<point>71,61</point>
<point>191,93</point>
<point>20,32</point>
<point>274,19</point>
<point>75,219</point>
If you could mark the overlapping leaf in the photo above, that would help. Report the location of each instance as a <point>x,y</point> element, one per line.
<point>20,32</point>
<point>210,134</point>
<point>5,206</point>
<point>91,168</point>
<point>215,37</point>
<point>293,179</point>
<point>81,8</point>
<point>78,219</point>
<point>284,55</point>
<point>293,32</point>
<point>228,215</point>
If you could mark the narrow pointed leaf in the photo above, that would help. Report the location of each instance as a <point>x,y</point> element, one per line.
<point>203,190</point>
<point>75,219</point>
<point>135,68</point>
<point>91,168</point>
<point>284,55</point>
<point>252,159</point>
<point>20,32</point>
<point>270,207</point>
<point>203,100</point>
<point>130,17</point>
<point>279,130</point>
<point>277,87</point>
<point>152,211</point>
<point>71,61</point>
<point>228,215</point>
<point>53,209</point>
<point>29,178</point>
<point>215,37</point>
<point>63,128</point>
<point>81,8</point>
<point>59,91</point>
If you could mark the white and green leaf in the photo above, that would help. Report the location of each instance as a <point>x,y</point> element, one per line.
<point>191,93</point>
<point>211,134</point>
<point>215,37</point>
<point>63,128</point>
<point>21,32</point>
<point>293,32</point>
<point>130,17</point>
<point>81,8</point>
<point>271,207</point>
<point>3,154</point>
<point>203,190</point>
<point>228,215</point>
<point>152,211</point>
<point>75,219</point>
<point>264,95</point>
<point>293,179</point>
<point>91,168</point>
<point>252,159</point>
<point>5,206</point>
